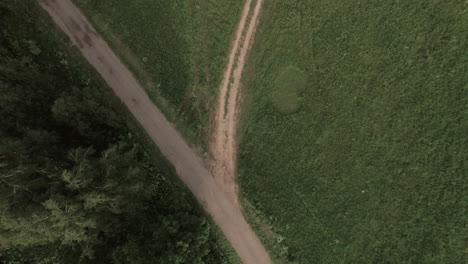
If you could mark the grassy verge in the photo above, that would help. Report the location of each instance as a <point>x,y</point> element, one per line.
<point>177,49</point>
<point>272,240</point>
<point>230,256</point>
<point>370,167</point>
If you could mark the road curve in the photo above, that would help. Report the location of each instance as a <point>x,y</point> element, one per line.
<point>189,166</point>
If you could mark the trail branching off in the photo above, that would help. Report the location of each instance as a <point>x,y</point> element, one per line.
<point>189,165</point>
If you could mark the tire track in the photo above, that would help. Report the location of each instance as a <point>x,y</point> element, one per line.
<point>224,143</point>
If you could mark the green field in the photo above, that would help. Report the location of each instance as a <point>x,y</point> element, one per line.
<point>177,49</point>
<point>368,162</point>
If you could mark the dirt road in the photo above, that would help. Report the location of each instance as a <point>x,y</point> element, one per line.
<point>189,166</point>
<point>224,145</point>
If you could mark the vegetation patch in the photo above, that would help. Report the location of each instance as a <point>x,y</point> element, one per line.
<point>372,169</point>
<point>288,88</point>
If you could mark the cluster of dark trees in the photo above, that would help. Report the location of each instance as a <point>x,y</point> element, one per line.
<point>76,183</point>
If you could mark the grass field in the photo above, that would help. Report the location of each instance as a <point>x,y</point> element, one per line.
<point>177,49</point>
<point>368,162</point>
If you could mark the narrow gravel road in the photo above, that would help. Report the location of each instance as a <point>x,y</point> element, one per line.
<point>189,166</point>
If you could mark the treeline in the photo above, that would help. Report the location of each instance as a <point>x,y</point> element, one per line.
<point>76,185</point>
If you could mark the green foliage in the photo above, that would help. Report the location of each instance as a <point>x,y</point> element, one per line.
<point>51,254</point>
<point>188,235</point>
<point>372,169</point>
<point>286,94</point>
<point>177,49</point>
<point>73,108</point>
<point>75,185</point>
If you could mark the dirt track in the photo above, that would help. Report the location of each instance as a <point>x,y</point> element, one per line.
<point>224,144</point>
<point>189,166</point>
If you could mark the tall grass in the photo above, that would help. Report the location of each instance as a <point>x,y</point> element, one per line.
<point>372,167</point>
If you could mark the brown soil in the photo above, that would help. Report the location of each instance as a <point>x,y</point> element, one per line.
<point>188,164</point>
